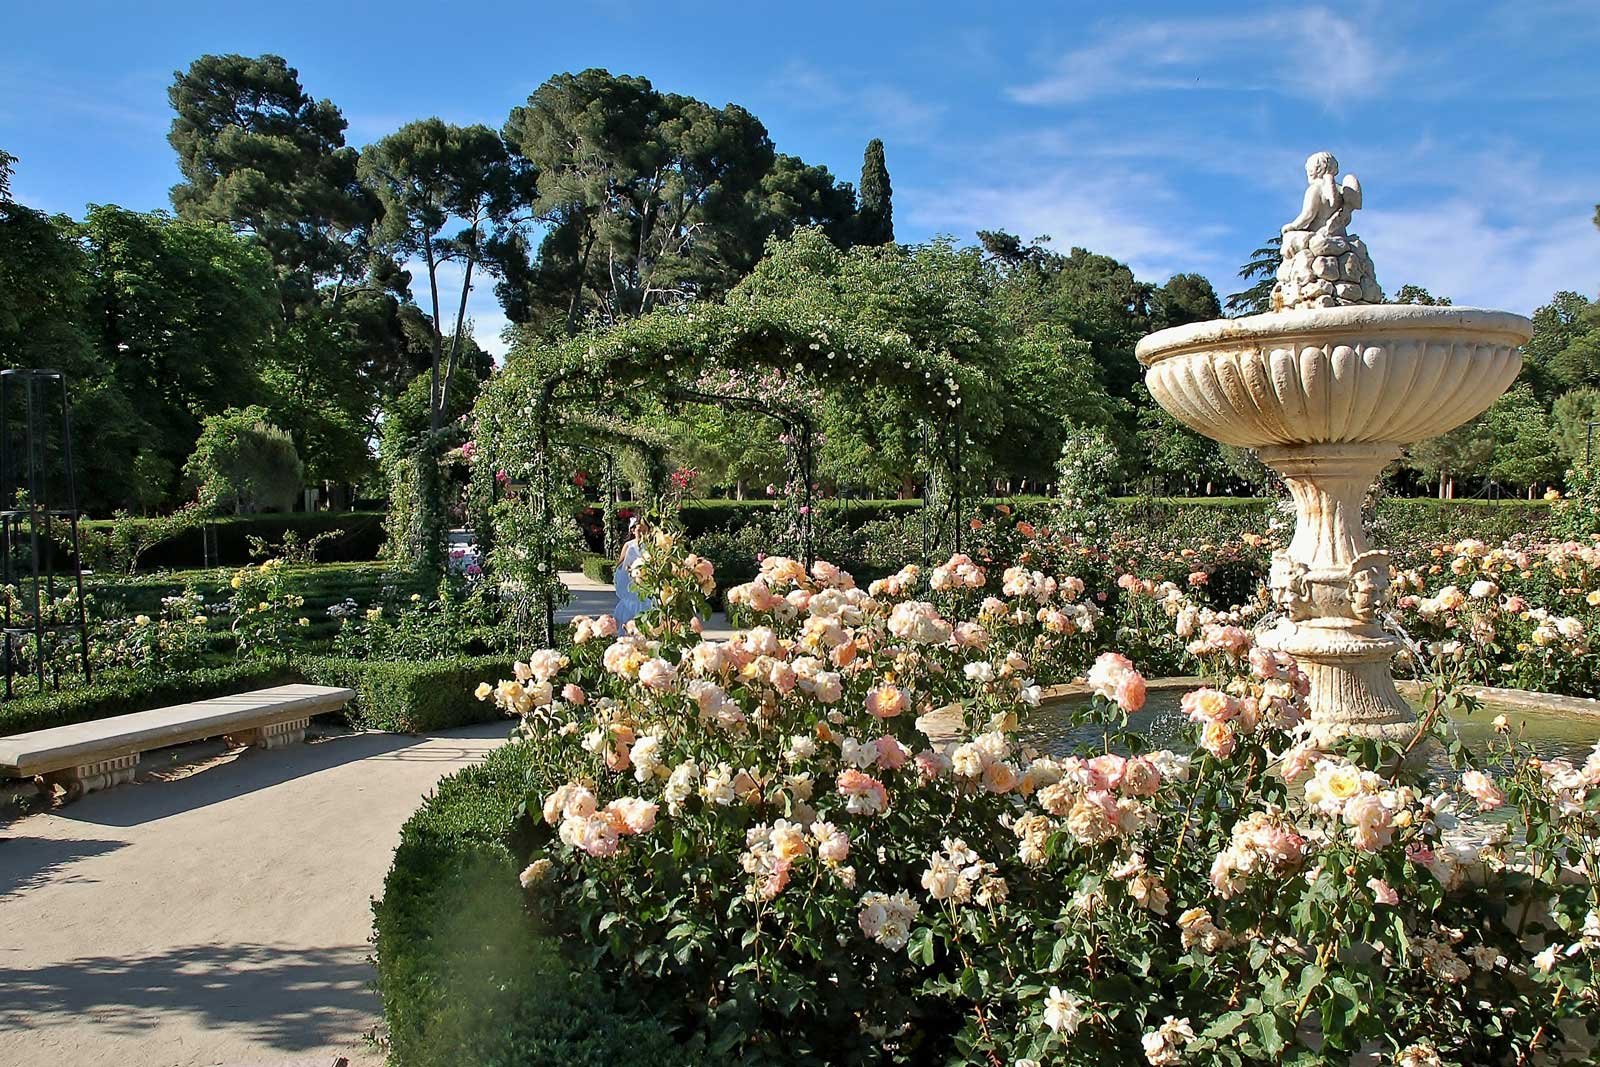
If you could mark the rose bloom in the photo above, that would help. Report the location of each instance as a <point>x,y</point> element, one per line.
<point>1219,739</point>
<point>1483,789</point>
<point>574,694</point>
<point>864,794</point>
<point>833,844</point>
<point>1140,778</point>
<point>631,815</point>
<point>1209,705</point>
<point>657,674</point>
<point>1106,771</point>
<point>1114,678</point>
<point>1369,821</point>
<point>887,701</point>
<point>1382,893</point>
<point>1000,777</point>
<point>892,755</point>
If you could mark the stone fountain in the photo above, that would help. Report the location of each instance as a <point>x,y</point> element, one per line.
<point>1327,388</point>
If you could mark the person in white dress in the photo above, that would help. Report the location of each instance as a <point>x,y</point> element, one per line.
<point>630,602</point>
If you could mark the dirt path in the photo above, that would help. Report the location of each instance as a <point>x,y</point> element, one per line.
<point>219,918</point>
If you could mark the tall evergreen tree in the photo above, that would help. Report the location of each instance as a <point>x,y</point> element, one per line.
<point>875,217</point>
<point>1262,273</point>
<point>258,153</point>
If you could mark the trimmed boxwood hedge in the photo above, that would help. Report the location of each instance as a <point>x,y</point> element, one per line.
<point>599,568</point>
<point>361,541</point>
<point>411,696</point>
<point>467,979</point>
<point>122,692</point>
<point>402,697</point>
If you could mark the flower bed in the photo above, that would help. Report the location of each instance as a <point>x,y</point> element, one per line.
<point>754,840</point>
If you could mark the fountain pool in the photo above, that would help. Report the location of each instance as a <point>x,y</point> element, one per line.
<point>1554,733</point>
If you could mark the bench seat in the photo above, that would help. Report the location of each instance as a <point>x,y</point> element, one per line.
<point>93,755</point>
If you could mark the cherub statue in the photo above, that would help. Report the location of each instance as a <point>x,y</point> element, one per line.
<point>1328,204</point>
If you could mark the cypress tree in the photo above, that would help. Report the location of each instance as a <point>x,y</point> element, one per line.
<point>875,216</point>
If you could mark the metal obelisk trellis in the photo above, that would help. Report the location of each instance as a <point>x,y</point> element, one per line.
<point>34,497</point>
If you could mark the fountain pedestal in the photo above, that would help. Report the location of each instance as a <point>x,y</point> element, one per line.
<point>1331,585</point>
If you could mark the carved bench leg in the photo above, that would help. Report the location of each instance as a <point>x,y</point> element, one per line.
<point>91,777</point>
<point>274,736</point>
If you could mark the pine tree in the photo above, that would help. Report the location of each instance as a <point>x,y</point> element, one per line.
<point>875,216</point>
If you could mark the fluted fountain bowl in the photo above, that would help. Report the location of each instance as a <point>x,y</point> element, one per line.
<point>1385,374</point>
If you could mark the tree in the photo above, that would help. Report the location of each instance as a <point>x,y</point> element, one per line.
<point>45,321</point>
<point>1463,452</point>
<point>182,313</point>
<point>1177,457</point>
<point>241,461</point>
<point>648,198</point>
<point>7,163</point>
<point>1184,299</point>
<point>427,175</point>
<point>1262,272</point>
<point>1523,440</point>
<point>261,155</point>
<point>1556,326</point>
<point>875,216</point>
<point>1095,297</point>
<point>1570,419</point>
<point>1578,363</point>
<point>1416,294</point>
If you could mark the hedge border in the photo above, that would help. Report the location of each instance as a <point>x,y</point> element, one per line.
<point>466,977</point>
<point>410,696</point>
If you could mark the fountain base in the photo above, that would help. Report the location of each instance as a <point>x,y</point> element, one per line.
<point>1353,694</point>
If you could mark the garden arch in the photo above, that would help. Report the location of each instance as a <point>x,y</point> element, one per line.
<point>760,346</point>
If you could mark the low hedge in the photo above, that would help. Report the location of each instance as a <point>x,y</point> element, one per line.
<point>122,692</point>
<point>361,540</point>
<point>599,568</point>
<point>412,696</point>
<point>467,979</point>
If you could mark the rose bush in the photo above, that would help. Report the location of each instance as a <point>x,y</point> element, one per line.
<point>822,841</point>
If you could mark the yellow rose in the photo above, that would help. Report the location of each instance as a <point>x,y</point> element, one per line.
<point>237,581</point>
<point>1344,782</point>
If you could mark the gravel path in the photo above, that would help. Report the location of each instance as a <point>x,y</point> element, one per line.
<point>220,916</point>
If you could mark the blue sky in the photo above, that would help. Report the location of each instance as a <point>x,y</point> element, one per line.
<point>1170,136</point>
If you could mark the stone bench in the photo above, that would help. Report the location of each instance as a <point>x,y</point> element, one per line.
<point>87,756</point>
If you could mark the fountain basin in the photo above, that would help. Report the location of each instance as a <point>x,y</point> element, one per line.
<point>1383,374</point>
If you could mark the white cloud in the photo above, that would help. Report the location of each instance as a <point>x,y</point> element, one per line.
<point>1307,52</point>
<point>1456,250</point>
<point>1124,213</point>
<point>887,109</point>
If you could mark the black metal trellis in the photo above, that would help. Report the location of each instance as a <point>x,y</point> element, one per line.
<point>29,508</point>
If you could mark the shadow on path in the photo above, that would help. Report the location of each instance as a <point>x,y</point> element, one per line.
<point>29,862</point>
<point>290,998</point>
<point>256,769</point>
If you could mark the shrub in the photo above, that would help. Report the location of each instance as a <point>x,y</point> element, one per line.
<point>242,462</point>
<point>177,542</point>
<point>466,979</point>
<point>412,696</point>
<point>122,692</point>
<point>757,838</point>
<point>599,568</point>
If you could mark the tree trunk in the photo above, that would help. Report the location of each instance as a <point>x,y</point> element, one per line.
<point>438,338</point>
